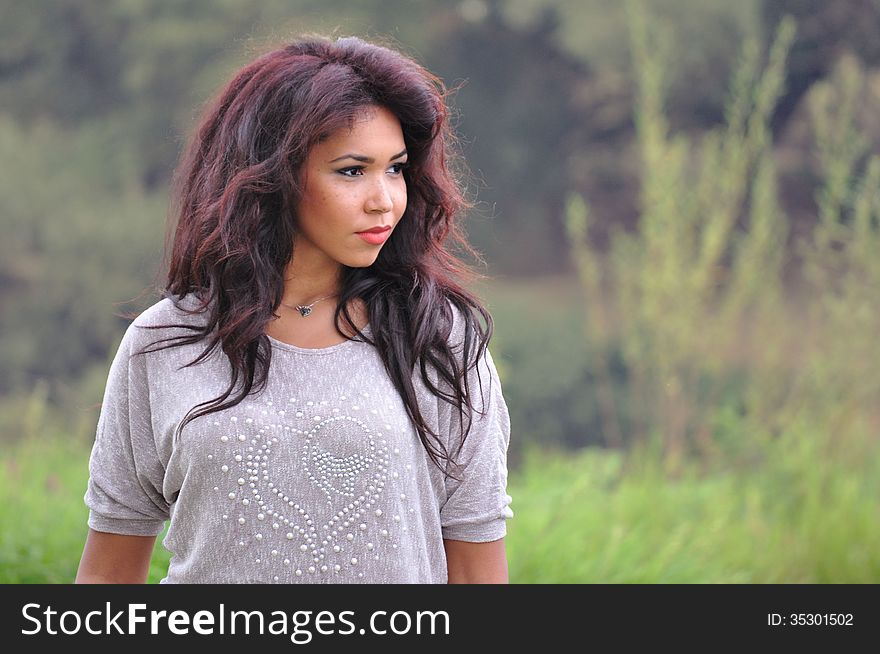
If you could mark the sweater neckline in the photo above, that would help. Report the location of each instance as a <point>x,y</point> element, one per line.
<point>330,349</point>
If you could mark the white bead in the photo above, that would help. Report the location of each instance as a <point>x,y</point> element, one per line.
<point>223,439</point>
<point>240,481</point>
<point>241,521</point>
<point>231,496</point>
<point>225,468</point>
<point>354,561</point>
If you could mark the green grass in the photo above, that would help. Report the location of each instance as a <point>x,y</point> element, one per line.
<point>43,517</point>
<point>584,517</point>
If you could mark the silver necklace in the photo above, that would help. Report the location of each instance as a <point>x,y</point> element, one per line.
<point>306,309</point>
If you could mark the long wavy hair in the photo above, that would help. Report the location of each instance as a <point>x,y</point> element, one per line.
<point>234,196</point>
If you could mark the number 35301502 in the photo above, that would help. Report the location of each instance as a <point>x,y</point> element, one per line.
<point>806,619</point>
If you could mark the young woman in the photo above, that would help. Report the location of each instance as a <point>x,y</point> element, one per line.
<point>313,400</point>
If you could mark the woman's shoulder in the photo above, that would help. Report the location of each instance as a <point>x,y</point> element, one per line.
<point>169,318</point>
<point>172,310</point>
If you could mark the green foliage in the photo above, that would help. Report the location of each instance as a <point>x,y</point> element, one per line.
<point>545,365</point>
<point>81,238</point>
<point>691,279</point>
<point>43,524</point>
<point>758,449</point>
<point>600,517</point>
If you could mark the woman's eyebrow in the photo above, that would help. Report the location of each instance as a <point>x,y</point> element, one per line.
<point>365,159</point>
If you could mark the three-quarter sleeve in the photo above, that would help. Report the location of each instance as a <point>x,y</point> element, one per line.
<point>477,505</point>
<point>124,493</point>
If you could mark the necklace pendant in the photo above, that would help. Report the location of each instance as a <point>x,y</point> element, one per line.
<point>304,310</point>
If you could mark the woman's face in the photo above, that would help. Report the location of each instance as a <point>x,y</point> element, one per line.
<point>353,182</point>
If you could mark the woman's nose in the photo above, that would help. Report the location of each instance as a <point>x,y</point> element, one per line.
<point>380,200</point>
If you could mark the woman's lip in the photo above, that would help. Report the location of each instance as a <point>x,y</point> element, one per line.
<point>375,238</point>
<point>375,230</point>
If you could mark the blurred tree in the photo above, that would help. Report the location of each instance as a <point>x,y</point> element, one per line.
<point>141,68</point>
<point>520,126</point>
<point>824,30</point>
<point>62,59</point>
<point>95,99</point>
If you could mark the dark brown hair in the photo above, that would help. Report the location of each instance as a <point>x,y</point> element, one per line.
<point>234,198</point>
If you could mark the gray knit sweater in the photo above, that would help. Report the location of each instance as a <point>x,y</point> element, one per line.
<point>321,478</point>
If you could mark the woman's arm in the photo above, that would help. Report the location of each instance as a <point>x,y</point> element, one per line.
<point>115,559</point>
<point>476,563</point>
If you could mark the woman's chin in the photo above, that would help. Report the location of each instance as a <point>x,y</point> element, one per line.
<point>363,261</point>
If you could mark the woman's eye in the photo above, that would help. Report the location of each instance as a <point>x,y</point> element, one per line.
<point>350,172</point>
